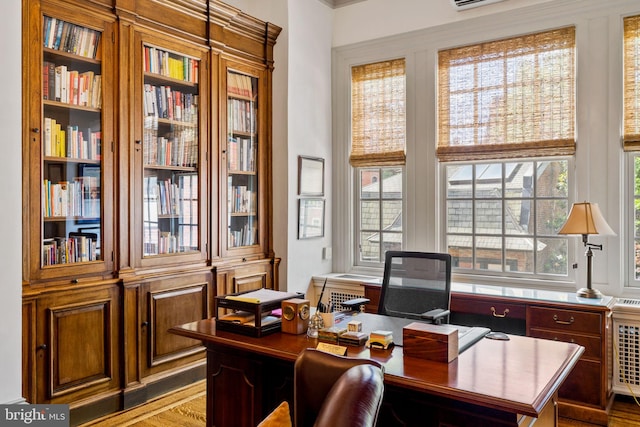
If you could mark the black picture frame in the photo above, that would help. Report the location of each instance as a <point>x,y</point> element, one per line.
<point>310,176</point>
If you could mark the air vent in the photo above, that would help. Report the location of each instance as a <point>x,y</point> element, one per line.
<point>468,4</point>
<point>626,346</point>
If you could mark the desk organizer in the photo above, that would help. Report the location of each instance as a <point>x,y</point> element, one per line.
<point>251,311</point>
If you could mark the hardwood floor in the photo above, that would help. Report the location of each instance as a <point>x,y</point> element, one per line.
<point>187,407</point>
<point>625,412</point>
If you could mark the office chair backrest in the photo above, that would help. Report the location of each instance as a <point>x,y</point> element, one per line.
<point>416,283</point>
<point>329,393</point>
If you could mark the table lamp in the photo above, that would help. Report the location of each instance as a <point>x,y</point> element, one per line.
<point>585,218</point>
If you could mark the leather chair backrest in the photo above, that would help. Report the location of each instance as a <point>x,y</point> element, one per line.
<point>354,400</point>
<point>315,374</point>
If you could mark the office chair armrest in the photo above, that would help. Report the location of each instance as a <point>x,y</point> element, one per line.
<point>435,314</point>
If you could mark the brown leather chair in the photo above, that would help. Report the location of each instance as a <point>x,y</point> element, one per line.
<point>336,391</point>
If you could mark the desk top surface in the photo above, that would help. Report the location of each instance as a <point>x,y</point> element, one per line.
<point>517,376</point>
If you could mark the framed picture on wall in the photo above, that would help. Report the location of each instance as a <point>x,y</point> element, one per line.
<point>310,218</point>
<point>310,176</point>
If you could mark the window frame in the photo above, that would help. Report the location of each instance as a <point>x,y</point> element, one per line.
<point>479,275</point>
<point>357,228</point>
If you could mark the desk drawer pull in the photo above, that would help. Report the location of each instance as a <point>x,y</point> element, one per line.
<point>563,322</point>
<point>504,314</point>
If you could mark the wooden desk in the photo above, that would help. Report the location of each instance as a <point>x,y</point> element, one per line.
<point>493,383</point>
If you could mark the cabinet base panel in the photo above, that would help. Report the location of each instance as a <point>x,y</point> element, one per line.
<point>135,396</point>
<point>96,408</point>
<point>140,394</point>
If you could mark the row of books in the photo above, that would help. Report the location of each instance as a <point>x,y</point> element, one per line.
<point>239,84</point>
<point>241,199</point>
<point>61,250</point>
<point>70,141</point>
<point>241,154</point>
<point>168,64</point>
<point>244,236</point>
<point>167,103</point>
<point>164,242</point>
<point>71,86</point>
<point>71,38</point>
<point>241,117</point>
<point>77,198</point>
<point>164,197</point>
<point>177,148</point>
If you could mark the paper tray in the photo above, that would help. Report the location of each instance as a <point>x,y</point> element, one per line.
<point>257,302</point>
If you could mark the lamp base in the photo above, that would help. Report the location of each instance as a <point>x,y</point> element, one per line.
<point>589,293</point>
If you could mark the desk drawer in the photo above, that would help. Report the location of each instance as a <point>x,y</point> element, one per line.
<point>564,320</point>
<point>497,309</point>
<point>592,345</point>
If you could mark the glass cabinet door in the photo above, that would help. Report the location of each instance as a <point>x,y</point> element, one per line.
<point>170,153</point>
<point>242,160</point>
<point>72,155</point>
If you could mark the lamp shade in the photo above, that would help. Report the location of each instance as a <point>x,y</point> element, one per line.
<point>585,218</point>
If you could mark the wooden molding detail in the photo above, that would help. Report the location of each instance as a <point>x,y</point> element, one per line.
<point>242,35</point>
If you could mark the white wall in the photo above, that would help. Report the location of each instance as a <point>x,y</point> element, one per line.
<point>309,129</point>
<point>11,196</point>
<point>301,125</point>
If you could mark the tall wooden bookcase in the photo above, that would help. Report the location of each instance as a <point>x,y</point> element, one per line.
<point>147,190</point>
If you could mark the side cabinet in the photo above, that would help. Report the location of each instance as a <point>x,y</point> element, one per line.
<point>586,393</point>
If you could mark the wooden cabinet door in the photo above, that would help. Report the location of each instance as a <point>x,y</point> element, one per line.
<point>246,276</point>
<point>77,343</point>
<point>168,302</point>
<point>68,131</point>
<point>244,162</point>
<point>169,194</point>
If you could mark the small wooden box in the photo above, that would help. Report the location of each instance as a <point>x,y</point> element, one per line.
<point>432,342</point>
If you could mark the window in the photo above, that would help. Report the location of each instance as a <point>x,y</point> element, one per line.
<point>378,128</point>
<point>500,104</point>
<point>380,208</point>
<point>504,216</point>
<point>631,129</point>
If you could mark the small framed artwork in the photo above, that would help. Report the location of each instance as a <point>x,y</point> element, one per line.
<point>310,218</point>
<point>310,176</point>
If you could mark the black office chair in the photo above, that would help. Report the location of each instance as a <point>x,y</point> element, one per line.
<point>416,285</point>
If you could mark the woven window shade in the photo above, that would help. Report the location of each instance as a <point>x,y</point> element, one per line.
<point>378,114</point>
<point>508,99</point>
<point>631,125</point>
